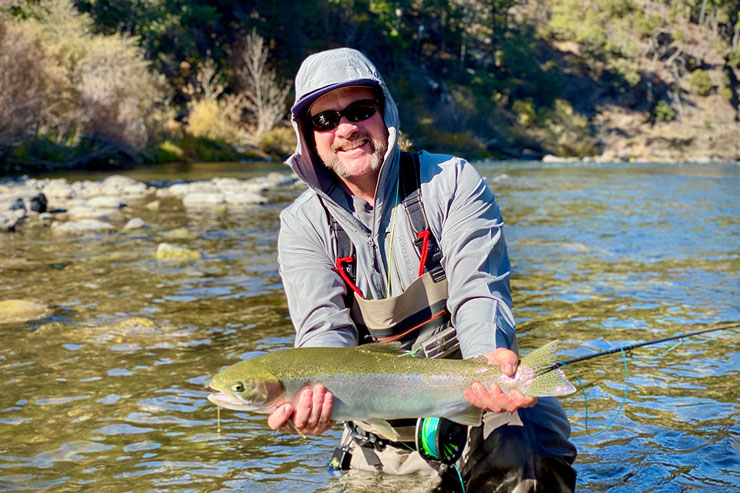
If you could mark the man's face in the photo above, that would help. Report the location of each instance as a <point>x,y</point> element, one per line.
<point>354,150</point>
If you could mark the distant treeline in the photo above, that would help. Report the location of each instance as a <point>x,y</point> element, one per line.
<point>103,82</point>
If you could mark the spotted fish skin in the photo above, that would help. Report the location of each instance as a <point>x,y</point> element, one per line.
<point>380,381</point>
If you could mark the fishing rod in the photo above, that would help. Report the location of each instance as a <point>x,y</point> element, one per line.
<point>625,349</point>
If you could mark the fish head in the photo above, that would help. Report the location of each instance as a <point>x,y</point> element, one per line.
<point>246,386</point>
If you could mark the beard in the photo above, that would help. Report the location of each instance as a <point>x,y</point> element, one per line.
<point>379,149</point>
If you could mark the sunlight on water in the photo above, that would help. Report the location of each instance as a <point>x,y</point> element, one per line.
<point>106,393</point>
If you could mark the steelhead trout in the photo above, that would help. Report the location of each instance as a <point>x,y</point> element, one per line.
<point>379,381</point>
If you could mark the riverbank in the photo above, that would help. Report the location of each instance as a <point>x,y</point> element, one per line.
<point>112,203</point>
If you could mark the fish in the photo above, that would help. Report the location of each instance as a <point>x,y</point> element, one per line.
<point>376,382</point>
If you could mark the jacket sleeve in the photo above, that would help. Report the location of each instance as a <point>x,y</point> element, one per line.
<point>313,287</point>
<point>476,262</point>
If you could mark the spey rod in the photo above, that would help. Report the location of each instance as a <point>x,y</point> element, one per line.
<point>641,344</point>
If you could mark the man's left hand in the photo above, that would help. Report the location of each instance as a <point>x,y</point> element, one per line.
<point>494,399</point>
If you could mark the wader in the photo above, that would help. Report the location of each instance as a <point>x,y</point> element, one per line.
<point>515,452</point>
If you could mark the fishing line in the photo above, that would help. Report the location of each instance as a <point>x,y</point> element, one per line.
<point>585,399</point>
<point>627,350</point>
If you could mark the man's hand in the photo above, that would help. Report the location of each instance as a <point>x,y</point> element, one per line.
<point>311,415</point>
<point>494,399</point>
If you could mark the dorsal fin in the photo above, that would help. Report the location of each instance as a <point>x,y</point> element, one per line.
<point>383,347</point>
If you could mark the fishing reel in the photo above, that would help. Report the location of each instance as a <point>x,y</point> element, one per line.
<point>439,439</point>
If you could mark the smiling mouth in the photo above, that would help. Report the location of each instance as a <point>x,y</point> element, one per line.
<point>351,146</point>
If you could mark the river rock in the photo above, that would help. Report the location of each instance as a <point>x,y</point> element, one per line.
<point>200,200</point>
<point>179,234</point>
<point>19,264</point>
<point>166,251</point>
<point>9,220</point>
<point>245,198</point>
<point>107,202</point>
<point>134,223</point>
<point>82,226</point>
<point>123,185</point>
<point>17,311</point>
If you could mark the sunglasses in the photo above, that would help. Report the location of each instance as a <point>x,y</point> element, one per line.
<point>358,111</point>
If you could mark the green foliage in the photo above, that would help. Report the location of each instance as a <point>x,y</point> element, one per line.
<point>215,119</point>
<point>663,112</point>
<point>726,93</point>
<point>566,132</point>
<point>733,58</point>
<point>280,141</point>
<point>700,82</point>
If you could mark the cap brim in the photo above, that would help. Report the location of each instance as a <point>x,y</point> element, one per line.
<point>303,104</point>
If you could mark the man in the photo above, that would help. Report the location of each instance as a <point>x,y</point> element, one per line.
<point>418,239</point>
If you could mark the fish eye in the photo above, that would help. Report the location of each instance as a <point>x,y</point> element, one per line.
<point>238,387</point>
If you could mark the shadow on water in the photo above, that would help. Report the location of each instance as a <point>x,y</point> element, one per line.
<point>106,392</point>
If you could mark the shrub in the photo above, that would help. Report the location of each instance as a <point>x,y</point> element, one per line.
<point>91,93</point>
<point>700,82</point>
<point>663,112</point>
<point>24,82</point>
<point>280,140</point>
<point>566,132</point>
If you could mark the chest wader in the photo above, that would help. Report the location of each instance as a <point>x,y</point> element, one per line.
<point>419,320</point>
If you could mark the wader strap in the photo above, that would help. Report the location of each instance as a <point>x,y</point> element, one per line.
<point>430,255</point>
<point>346,262</point>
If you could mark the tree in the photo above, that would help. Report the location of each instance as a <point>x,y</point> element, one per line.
<point>263,91</point>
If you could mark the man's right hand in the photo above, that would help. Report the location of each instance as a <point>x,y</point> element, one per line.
<point>311,414</point>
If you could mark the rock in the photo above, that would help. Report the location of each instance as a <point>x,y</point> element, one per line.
<point>549,158</point>
<point>39,203</point>
<point>199,200</point>
<point>11,219</point>
<point>179,234</point>
<point>82,226</point>
<point>166,251</point>
<point>123,185</point>
<point>107,202</point>
<point>134,223</point>
<point>153,205</point>
<point>19,264</point>
<point>16,311</point>
<point>245,198</point>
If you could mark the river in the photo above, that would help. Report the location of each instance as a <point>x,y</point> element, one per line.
<point>106,393</point>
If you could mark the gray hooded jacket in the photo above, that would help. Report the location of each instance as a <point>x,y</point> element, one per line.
<point>460,208</point>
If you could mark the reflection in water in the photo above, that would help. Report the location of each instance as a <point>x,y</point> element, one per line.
<point>107,389</point>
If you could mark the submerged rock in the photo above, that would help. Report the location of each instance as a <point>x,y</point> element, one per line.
<point>17,311</point>
<point>134,223</point>
<point>82,226</point>
<point>166,251</point>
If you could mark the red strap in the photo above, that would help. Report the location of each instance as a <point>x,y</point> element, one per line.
<point>424,250</point>
<point>340,262</point>
<point>415,327</point>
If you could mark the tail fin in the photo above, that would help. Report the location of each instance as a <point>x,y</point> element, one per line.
<point>551,380</point>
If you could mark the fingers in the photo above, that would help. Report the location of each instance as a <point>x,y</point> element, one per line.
<point>311,414</point>
<point>280,416</point>
<point>505,358</point>
<point>495,400</point>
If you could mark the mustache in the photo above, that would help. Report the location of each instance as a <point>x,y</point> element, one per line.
<point>340,144</point>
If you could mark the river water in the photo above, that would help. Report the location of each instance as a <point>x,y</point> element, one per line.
<point>106,394</point>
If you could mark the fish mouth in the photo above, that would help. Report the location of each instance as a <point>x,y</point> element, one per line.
<point>227,400</point>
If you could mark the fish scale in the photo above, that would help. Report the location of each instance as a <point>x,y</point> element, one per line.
<point>380,381</point>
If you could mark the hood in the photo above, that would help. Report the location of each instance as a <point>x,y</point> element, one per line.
<point>323,72</point>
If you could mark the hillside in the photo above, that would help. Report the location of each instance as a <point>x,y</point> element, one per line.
<point>107,84</point>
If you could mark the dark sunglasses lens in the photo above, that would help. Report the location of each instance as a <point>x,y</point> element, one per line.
<point>359,113</point>
<point>356,112</point>
<point>326,120</point>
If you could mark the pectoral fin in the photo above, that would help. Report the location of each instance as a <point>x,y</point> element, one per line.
<point>471,416</point>
<point>380,427</point>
